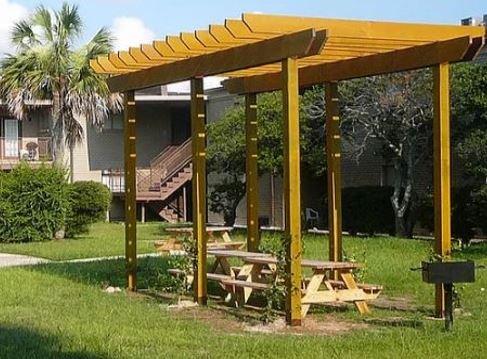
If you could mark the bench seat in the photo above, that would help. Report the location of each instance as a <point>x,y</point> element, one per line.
<point>366,287</point>
<point>245,284</point>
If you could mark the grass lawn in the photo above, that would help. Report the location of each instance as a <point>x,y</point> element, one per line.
<point>104,239</point>
<point>59,310</point>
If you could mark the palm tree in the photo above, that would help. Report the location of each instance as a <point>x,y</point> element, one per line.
<point>48,66</point>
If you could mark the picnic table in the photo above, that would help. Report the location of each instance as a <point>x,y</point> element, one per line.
<point>214,232</point>
<point>218,237</point>
<point>320,288</point>
<point>259,270</point>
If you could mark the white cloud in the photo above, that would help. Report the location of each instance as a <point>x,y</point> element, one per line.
<point>130,31</point>
<point>10,13</point>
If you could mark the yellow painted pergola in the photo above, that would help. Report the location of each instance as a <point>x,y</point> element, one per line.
<point>260,53</point>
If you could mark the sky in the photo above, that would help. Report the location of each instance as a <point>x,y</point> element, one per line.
<point>136,21</point>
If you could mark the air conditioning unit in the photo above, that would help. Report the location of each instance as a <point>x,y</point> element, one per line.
<point>474,21</point>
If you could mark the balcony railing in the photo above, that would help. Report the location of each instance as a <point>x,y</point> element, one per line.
<point>114,179</point>
<point>26,148</point>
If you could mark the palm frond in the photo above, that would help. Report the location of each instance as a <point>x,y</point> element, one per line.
<point>68,23</point>
<point>22,35</point>
<point>42,18</point>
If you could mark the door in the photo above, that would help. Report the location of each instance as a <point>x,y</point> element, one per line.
<point>11,134</point>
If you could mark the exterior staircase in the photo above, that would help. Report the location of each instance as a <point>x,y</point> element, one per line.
<point>163,185</point>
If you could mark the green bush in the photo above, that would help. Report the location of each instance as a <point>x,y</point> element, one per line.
<point>89,202</point>
<point>33,203</point>
<point>469,212</point>
<point>367,209</point>
<point>479,200</point>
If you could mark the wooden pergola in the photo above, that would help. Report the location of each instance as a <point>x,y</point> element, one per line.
<point>260,53</point>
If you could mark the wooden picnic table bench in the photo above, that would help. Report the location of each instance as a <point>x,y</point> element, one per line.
<point>306,263</point>
<point>259,268</point>
<point>319,288</point>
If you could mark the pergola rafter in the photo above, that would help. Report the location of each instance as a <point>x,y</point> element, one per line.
<point>261,53</point>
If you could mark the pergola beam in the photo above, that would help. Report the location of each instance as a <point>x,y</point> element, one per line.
<point>303,43</point>
<point>130,157</point>
<point>441,171</point>
<point>198,138</point>
<point>334,183</point>
<point>463,48</point>
<point>292,190</point>
<point>251,173</point>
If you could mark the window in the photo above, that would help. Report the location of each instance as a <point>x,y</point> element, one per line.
<point>113,123</point>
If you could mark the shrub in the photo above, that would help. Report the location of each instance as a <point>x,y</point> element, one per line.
<point>367,209</point>
<point>89,202</point>
<point>479,200</point>
<point>33,203</point>
<point>469,211</point>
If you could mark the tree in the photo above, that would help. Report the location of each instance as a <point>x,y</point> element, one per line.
<point>395,110</point>
<point>226,150</point>
<point>47,66</point>
<point>469,117</point>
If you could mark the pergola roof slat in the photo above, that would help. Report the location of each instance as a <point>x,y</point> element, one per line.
<point>277,24</point>
<point>299,44</point>
<point>347,40</point>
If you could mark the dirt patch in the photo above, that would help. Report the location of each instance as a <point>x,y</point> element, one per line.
<point>227,320</point>
<point>327,326</point>
<point>399,304</point>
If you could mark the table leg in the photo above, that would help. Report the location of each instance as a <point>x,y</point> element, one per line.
<point>350,283</point>
<point>313,287</point>
<point>226,237</point>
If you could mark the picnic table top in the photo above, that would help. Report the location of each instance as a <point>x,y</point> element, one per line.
<point>234,253</point>
<point>190,229</point>
<point>309,263</point>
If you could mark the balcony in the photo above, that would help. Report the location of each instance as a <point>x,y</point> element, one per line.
<point>30,149</point>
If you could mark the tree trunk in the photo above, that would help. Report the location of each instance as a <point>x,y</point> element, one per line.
<point>71,164</point>
<point>230,216</point>
<point>401,198</point>
<point>401,230</point>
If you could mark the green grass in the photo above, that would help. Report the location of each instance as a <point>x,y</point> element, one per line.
<point>104,239</point>
<point>59,310</point>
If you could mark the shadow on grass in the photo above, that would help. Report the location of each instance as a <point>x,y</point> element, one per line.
<point>111,272</point>
<point>18,342</point>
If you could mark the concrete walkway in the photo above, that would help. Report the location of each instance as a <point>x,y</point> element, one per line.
<point>17,260</point>
<point>13,260</point>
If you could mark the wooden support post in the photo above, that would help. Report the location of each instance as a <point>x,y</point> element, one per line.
<point>333,156</point>
<point>142,212</point>
<point>292,190</point>
<point>441,172</point>
<point>185,205</point>
<point>198,135</point>
<point>130,190</point>
<point>252,175</point>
